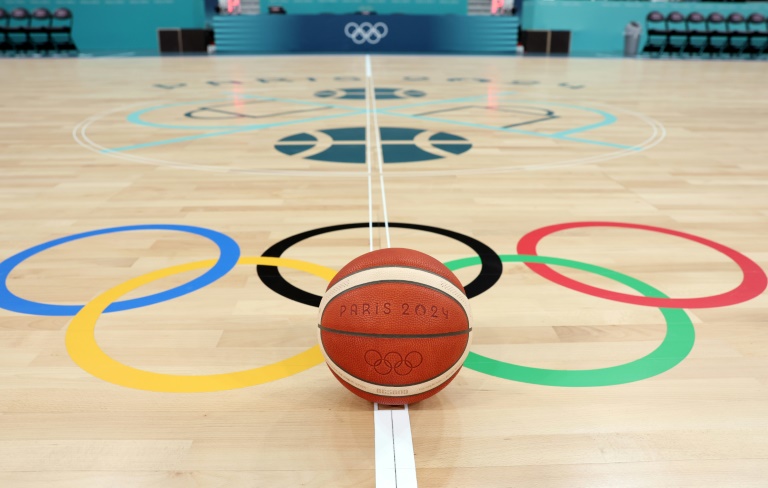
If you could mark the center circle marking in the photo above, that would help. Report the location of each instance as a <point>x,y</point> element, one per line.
<point>359,93</point>
<point>82,137</point>
<point>350,145</point>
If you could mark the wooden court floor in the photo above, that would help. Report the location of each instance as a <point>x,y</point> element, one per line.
<point>634,353</point>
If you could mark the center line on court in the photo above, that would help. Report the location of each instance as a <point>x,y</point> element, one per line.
<point>368,162</point>
<point>395,462</point>
<point>377,138</point>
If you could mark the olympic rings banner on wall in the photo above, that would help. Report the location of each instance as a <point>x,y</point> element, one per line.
<point>84,350</point>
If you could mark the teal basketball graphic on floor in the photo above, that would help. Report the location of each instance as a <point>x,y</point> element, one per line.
<point>398,145</point>
<point>359,93</point>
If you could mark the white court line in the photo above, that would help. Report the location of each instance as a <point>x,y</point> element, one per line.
<point>405,462</point>
<point>379,153</point>
<point>80,135</point>
<point>386,474</point>
<point>395,462</point>
<point>368,162</point>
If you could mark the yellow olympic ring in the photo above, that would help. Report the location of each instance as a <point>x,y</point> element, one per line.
<point>83,349</point>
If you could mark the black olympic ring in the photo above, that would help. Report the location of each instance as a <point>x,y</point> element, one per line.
<point>490,270</point>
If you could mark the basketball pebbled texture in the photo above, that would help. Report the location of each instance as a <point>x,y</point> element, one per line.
<point>395,326</point>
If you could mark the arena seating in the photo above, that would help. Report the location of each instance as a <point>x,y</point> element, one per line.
<point>737,34</point>
<point>5,43</point>
<point>40,32</point>
<point>61,31</point>
<point>696,33</point>
<point>716,35</point>
<point>18,30</point>
<point>757,35</point>
<point>657,33</point>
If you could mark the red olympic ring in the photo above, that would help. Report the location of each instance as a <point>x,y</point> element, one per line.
<point>753,283</point>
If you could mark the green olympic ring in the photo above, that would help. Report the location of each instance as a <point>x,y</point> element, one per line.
<point>676,345</point>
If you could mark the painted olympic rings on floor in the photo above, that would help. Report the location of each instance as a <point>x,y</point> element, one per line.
<point>676,345</point>
<point>753,283</point>
<point>490,270</point>
<point>82,347</point>
<point>229,252</point>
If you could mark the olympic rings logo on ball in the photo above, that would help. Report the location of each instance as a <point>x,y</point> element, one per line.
<point>366,32</point>
<point>393,361</point>
<point>82,346</point>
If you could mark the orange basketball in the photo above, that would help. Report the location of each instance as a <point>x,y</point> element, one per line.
<point>395,326</point>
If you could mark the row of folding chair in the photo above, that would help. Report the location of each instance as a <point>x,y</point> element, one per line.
<point>41,31</point>
<point>714,35</point>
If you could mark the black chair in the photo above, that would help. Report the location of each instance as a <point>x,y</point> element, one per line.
<point>716,34</point>
<point>696,33</point>
<point>18,30</point>
<point>757,35</point>
<point>736,25</point>
<point>5,43</point>
<point>765,46</point>
<point>656,33</point>
<point>62,24</point>
<point>40,30</point>
<point>676,33</point>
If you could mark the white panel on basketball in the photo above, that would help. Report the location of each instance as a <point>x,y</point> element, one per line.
<point>395,273</point>
<point>416,276</point>
<point>394,391</point>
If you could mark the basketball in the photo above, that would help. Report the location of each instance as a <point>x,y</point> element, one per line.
<point>395,326</point>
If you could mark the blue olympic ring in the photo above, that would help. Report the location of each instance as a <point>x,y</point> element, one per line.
<point>229,253</point>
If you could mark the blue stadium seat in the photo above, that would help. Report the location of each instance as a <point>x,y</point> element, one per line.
<point>696,34</point>
<point>738,37</point>
<point>656,33</point>
<point>676,33</point>
<point>62,24</point>
<point>757,35</point>
<point>5,43</point>
<point>716,34</point>
<point>18,30</point>
<point>40,30</point>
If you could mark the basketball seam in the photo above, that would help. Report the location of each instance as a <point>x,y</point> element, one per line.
<point>394,396</point>
<point>396,336</point>
<point>395,266</point>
